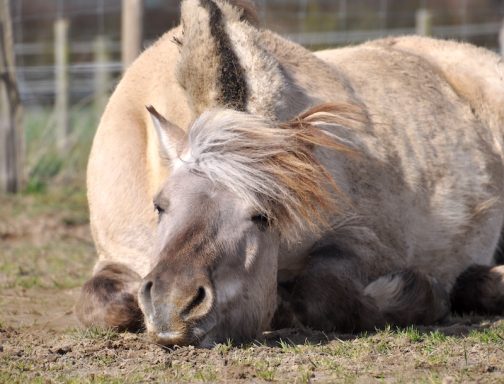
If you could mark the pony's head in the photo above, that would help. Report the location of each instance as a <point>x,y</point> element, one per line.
<point>240,186</point>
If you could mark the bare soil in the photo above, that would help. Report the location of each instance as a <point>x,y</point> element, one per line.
<point>46,253</point>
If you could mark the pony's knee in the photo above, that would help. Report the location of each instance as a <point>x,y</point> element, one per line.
<point>323,299</point>
<point>479,289</point>
<point>409,297</point>
<point>109,299</point>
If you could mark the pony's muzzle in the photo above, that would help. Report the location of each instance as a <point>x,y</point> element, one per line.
<point>174,306</point>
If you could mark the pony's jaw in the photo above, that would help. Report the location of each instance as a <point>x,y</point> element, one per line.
<point>245,301</point>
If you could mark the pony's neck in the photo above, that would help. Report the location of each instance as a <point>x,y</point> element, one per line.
<point>284,79</point>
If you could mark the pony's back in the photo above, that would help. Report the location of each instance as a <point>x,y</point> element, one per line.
<point>475,74</point>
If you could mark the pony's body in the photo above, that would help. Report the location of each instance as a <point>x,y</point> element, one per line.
<point>431,170</point>
<point>424,188</point>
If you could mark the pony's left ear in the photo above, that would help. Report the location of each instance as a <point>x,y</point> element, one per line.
<point>170,136</point>
<point>247,9</point>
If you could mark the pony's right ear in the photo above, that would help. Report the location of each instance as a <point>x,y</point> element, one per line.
<point>248,9</point>
<point>170,136</point>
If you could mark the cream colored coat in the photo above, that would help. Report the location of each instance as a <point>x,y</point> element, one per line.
<point>125,170</point>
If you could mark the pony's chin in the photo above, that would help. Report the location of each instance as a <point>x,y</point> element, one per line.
<point>195,337</point>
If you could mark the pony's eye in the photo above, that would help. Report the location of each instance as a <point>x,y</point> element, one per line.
<point>262,221</point>
<point>158,209</point>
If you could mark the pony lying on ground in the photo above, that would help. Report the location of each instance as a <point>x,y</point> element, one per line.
<point>341,190</point>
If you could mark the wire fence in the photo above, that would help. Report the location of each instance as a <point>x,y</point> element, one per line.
<point>316,24</point>
<point>313,23</point>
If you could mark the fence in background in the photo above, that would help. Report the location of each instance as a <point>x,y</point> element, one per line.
<point>300,21</point>
<point>70,53</point>
<point>11,143</point>
<point>501,39</point>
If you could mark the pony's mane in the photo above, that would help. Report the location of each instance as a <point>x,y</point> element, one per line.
<point>272,166</point>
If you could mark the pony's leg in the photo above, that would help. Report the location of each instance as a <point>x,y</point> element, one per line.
<point>109,299</point>
<point>325,297</point>
<point>409,297</point>
<point>479,289</point>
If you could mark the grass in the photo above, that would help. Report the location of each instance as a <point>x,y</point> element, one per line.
<point>94,333</point>
<point>45,163</point>
<point>43,241</point>
<point>426,359</point>
<point>46,241</point>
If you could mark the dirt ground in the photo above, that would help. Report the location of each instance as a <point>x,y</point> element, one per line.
<point>46,253</point>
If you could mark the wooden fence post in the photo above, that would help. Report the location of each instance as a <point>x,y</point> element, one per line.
<point>61,83</point>
<point>101,75</point>
<point>131,30</point>
<point>423,20</point>
<point>501,39</point>
<point>11,133</point>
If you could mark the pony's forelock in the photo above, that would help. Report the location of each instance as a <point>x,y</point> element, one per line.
<point>273,166</point>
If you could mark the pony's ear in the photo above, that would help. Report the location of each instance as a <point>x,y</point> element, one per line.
<point>209,68</point>
<point>248,11</point>
<point>223,62</point>
<point>170,136</point>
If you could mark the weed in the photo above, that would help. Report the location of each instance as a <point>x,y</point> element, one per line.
<point>224,348</point>
<point>94,333</point>
<point>206,375</point>
<point>288,346</point>
<point>412,334</point>
<point>305,376</point>
<point>265,371</point>
<point>435,337</point>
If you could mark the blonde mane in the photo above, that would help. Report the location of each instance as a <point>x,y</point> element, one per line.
<point>273,167</point>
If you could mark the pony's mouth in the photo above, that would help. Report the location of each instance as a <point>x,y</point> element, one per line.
<point>194,335</point>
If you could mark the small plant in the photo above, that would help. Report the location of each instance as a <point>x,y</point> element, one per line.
<point>288,346</point>
<point>224,348</point>
<point>207,375</point>
<point>265,371</point>
<point>412,334</point>
<point>266,374</point>
<point>305,376</point>
<point>487,336</point>
<point>94,333</point>
<point>436,337</point>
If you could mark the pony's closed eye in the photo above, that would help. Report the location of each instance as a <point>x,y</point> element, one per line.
<point>261,220</point>
<point>159,209</point>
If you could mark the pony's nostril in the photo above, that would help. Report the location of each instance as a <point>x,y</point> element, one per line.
<point>192,308</point>
<point>146,291</point>
<point>200,296</point>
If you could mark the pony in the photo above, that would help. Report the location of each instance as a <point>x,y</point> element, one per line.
<point>266,186</point>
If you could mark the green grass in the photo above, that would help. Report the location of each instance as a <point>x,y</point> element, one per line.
<point>46,242</point>
<point>489,336</point>
<point>264,371</point>
<point>94,333</point>
<point>45,164</point>
<point>401,355</point>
